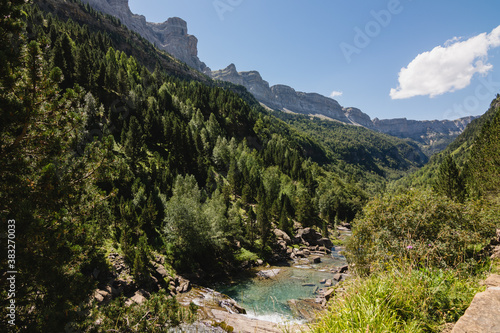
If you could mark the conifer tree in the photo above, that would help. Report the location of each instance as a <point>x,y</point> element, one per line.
<point>450,181</point>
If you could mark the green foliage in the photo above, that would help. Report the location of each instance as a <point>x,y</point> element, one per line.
<point>402,299</point>
<point>355,152</point>
<point>158,313</point>
<point>419,226</point>
<point>460,150</point>
<point>484,165</point>
<point>450,181</point>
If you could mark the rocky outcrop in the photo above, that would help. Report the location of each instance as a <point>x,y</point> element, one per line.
<point>170,35</point>
<point>484,312</point>
<point>281,97</point>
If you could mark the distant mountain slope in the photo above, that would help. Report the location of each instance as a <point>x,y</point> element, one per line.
<point>459,149</point>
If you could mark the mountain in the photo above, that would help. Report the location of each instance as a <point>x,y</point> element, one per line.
<point>432,135</point>
<point>460,149</point>
<point>172,37</point>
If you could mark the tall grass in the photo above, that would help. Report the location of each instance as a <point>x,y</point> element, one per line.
<point>401,299</point>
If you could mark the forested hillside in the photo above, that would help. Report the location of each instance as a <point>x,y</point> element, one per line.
<point>459,151</point>
<point>99,151</point>
<point>109,145</point>
<point>369,157</point>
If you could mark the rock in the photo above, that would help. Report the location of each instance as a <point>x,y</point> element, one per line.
<point>160,269</point>
<point>328,283</point>
<point>300,254</point>
<point>305,308</point>
<point>259,262</point>
<point>239,308</point>
<point>138,298</point>
<point>280,234</point>
<point>322,281</point>
<point>269,273</point>
<point>170,36</point>
<point>329,294</point>
<point>325,242</point>
<point>102,295</point>
<point>316,260</point>
<point>337,277</point>
<point>483,312</point>
<point>343,269</point>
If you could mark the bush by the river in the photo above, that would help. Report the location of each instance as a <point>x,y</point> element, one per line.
<point>420,227</point>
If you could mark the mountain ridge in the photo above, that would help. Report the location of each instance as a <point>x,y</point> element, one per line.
<point>172,37</point>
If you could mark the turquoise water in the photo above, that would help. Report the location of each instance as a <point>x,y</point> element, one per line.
<point>267,298</point>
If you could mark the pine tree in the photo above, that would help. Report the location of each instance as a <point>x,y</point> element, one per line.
<point>450,181</point>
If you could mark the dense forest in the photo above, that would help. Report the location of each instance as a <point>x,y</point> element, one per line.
<point>108,144</point>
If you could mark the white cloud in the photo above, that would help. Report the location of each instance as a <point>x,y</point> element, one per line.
<point>447,68</point>
<point>336,94</point>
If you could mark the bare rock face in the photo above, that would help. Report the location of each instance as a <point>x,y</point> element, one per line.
<point>170,36</point>
<point>421,131</point>
<point>282,97</point>
<point>484,312</point>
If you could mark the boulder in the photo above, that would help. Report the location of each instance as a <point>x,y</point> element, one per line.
<point>337,277</point>
<point>316,260</point>
<point>280,234</point>
<point>328,283</point>
<point>343,269</point>
<point>325,242</point>
<point>484,310</point>
<point>160,269</point>
<point>138,298</point>
<point>329,294</point>
<point>102,295</point>
<point>269,273</point>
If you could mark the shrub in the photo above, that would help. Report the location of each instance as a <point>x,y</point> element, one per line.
<point>417,226</point>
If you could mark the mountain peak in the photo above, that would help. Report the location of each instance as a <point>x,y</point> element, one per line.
<point>170,36</point>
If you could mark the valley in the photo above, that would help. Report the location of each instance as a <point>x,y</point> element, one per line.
<point>152,194</point>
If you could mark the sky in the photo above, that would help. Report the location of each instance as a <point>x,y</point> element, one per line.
<point>415,59</point>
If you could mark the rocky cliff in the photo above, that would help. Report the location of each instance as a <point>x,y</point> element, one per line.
<point>281,97</point>
<point>170,35</point>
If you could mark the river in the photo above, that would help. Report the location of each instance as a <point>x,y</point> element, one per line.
<point>267,299</point>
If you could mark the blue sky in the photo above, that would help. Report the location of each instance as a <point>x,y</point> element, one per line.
<point>449,50</point>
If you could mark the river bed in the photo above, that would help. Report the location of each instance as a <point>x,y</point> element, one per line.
<point>267,299</point>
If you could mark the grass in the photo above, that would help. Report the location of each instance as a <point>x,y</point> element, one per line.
<point>245,255</point>
<point>400,299</point>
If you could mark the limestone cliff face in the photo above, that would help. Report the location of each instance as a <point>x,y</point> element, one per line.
<point>282,97</point>
<point>170,35</point>
<point>423,131</point>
